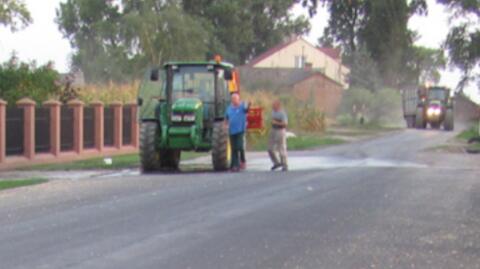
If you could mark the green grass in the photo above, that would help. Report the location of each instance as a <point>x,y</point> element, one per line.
<point>118,162</point>
<point>469,133</point>
<point>301,142</point>
<point>15,183</point>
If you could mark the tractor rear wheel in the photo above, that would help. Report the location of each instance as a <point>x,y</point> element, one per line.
<point>149,155</point>
<point>420,122</point>
<point>448,124</point>
<point>221,150</point>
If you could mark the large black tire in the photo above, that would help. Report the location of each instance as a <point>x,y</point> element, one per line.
<point>149,154</point>
<point>220,147</point>
<point>169,159</point>
<point>448,123</point>
<point>410,121</point>
<point>420,122</point>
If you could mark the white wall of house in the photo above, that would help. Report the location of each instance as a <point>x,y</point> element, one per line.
<point>300,52</point>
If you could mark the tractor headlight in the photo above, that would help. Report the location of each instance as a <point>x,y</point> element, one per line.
<point>176,118</point>
<point>434,111</point>
<point>189,117</point>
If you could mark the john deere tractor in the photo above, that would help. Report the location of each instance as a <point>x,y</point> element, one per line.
<point>182,107</point>
<point>435,108</point>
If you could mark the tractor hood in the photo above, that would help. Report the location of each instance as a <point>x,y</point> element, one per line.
<point>186,105</point>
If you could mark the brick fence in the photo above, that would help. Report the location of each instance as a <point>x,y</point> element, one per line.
<point>52,132</point>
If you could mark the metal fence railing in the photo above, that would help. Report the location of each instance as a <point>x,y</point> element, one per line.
<point>42,130</point>
<point>14,131</point>
<point>88,127</point>
<point>66,129</point>
<point>108,126</point>
<point>127,126</point>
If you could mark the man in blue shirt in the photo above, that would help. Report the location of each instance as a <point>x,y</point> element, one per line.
<point>236,119</point>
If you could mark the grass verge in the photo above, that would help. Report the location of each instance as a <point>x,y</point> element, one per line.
<point>118,162</point>
<point>15,183</point>
<point>469,133</point>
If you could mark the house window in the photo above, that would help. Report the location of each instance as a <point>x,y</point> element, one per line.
<point>300,61</point>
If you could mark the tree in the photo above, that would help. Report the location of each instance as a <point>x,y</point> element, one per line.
<point>247,28</point>
<point>379,28</point>
<point>425,64</point>
<point>117,41</point>
<point>462,42</point>
<point>14,14</point>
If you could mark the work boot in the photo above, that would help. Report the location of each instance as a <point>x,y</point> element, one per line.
<point>276,166</point>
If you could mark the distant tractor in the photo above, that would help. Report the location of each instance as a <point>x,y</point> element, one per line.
<point>182,107</point>
<point>431,106</point>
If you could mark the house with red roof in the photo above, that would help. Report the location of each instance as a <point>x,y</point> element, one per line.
<point>300,69</point>
<point>298,53</point>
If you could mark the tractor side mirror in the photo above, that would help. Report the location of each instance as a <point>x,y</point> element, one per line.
<point>154,75</point>
<point>228,75</point>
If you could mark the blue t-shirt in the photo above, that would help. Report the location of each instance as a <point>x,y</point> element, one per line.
<point>237,118</point>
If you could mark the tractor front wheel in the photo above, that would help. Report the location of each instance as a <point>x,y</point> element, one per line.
<point>448,123</point>
<point>420,122</point>
<point>221,150</point>
<point>149,155</point>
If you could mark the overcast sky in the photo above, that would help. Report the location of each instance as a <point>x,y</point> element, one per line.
<point>43,42</point>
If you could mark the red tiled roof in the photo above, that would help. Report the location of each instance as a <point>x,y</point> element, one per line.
<point>333,53</point>
<point>271,51</point>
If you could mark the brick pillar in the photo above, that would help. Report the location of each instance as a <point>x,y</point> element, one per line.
<point>117,124</point>
<point>77,106</point>
<point>55,122</point>
<point>28,106</point>
<point>3,126</point>
<point>99,131</point>
<point>135,126</point>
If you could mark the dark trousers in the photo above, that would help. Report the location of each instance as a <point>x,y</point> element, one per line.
<point>238,152</point>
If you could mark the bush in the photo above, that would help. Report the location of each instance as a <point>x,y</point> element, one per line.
<point>382,107</point>
<point>18,80</point>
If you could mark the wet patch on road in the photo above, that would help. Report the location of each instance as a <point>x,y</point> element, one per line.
<point>312,163</point>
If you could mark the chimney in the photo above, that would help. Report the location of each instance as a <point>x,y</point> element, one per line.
<point>308,67</point>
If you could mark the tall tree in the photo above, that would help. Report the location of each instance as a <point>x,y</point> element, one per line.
<point>117,40</point>
<point>14,14</point>
<point>463,40</point>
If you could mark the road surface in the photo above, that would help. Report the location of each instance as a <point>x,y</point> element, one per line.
<point>379,203</point>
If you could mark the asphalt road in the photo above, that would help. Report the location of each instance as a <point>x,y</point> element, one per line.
<point>380,203</point>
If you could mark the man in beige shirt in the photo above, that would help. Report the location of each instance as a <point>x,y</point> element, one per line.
<point>277,142</point>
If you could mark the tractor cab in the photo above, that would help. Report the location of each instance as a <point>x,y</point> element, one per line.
<point>182,106</point>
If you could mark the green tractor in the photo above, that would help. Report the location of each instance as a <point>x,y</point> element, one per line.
<point>435,108</point>
<point>181,108</point>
